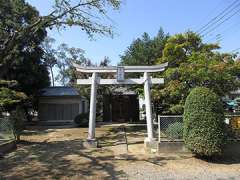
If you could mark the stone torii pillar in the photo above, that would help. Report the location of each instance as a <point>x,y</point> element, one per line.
<point>94,81</point>
<point>92,112</point>
<point>148,105</point>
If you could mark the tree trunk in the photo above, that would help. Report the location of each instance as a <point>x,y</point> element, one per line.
<point>29,118</point>
<point>18,138</point>
<point>53,84</point>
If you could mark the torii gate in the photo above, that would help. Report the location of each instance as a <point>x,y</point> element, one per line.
<point>120,70</point>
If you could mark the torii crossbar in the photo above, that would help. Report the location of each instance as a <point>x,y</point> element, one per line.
<point>95,80</point>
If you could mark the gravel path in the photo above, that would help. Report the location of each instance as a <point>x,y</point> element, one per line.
<point>180,170</point>
<point>60,154</point>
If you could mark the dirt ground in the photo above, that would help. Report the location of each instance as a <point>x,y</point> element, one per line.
<point>59,153</point>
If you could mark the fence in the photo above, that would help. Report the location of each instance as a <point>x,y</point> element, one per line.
<point>170,128</point>
<point>233,126</point>
<point>6,130</point>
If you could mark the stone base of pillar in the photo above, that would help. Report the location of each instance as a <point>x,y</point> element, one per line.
<point>90,143</point>
<point>151,145</point>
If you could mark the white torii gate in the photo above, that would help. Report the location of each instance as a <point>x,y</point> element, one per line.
<point>120,70</point>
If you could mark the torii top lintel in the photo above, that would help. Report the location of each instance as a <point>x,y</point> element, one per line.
<point>113,69</point>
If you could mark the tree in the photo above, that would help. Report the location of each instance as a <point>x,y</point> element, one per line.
<point>11,100</point>
<point>193,63</point>
<point>10,97</point>
<point>145,51</point>
<point>204,122</point>
<point>65,56</point>
<point>105,62</point>
<point>49,56</point>
<point>22,30</point>
<point>22,63</point>
<point>86,14</point>
<point>17,15</point>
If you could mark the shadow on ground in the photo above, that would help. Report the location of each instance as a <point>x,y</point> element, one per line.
<point>60,153</point>
<point>57,160</point>
<point>64,159</point>
<point>225,159</point>
<point>48,153</point>
<point>116,136</point>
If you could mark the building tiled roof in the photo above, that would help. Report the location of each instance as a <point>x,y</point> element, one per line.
<point>59,91</point>
<point>123,91</point>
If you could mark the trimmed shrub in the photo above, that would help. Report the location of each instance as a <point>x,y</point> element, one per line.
<point>203,123</point>
<point>177,109</point>
<point>82,119</point>
<point>175,130</point>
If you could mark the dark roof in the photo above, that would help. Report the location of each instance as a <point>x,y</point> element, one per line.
<point>59,91</point>
<point>123,91</point>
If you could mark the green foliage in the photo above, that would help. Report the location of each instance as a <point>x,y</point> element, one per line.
<point>145,51</point>
<point>15,48</point>
<point>180,46</point>
<point>49,56</point>
<point>65,56</point>
<point>10,97</point>
<point>20,54</point>
<point>22,30</point>
<point>5,83</point>
<point>82,120</point>
<point>90,16</point>
<point>20,22</point>
<point>175,130</point>
<point>204,122</point>
<point>193,63</point>
<point>17,119</point>
<point>176,109</point>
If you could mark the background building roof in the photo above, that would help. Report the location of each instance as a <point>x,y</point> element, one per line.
<point>59,91</point>
<point>123,91</point>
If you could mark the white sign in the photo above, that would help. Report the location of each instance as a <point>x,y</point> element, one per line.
<point>120,73</point>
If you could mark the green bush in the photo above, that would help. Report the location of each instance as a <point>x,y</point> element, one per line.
<point>177,109</point>
<point>203,122</point>
<point>82,119</point>
<point>175,130</point>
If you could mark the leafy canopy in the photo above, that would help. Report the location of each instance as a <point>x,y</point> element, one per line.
<point>9,95</point>
<point>144,50</point>
<point>22,63</point>
<point>23,29</point>
<point>89,15</point>
<point>193,63</point>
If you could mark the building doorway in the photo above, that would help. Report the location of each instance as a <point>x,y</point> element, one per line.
<point>121,108</point>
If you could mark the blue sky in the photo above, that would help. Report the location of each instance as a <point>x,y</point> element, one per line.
<point>138,16</point>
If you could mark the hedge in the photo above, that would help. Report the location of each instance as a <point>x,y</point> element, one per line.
<point>203,122</point>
